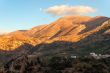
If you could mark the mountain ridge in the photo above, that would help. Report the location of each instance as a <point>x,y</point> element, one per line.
<point>69,28</point>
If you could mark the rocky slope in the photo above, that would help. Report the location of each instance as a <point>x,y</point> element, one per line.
<point>80,30</point>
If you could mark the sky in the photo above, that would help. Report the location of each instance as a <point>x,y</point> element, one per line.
<point>25,14</point>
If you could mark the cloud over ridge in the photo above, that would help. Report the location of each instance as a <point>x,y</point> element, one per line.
<point>62,10</point>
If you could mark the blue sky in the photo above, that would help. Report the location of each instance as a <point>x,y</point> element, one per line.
<point>25,14</point>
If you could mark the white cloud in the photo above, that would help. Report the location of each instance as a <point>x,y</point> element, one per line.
<point>62,10</point>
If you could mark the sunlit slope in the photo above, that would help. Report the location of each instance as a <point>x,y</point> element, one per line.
<point>69,28</point>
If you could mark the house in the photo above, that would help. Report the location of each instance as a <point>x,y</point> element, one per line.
<point>99,56</point>
<point>73,57</point>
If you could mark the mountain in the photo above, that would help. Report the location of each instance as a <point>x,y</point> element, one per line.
<point>81,33</point>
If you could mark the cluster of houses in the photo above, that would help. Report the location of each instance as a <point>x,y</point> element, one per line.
<point>94,55</point>
<point>99,56</point>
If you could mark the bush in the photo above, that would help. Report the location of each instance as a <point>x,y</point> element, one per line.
<point>60,63</point>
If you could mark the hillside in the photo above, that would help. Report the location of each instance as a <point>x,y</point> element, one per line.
<point>81,31</point>
<point>70,35</point>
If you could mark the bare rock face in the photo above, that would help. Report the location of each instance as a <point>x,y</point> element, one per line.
<point>69,28</point>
